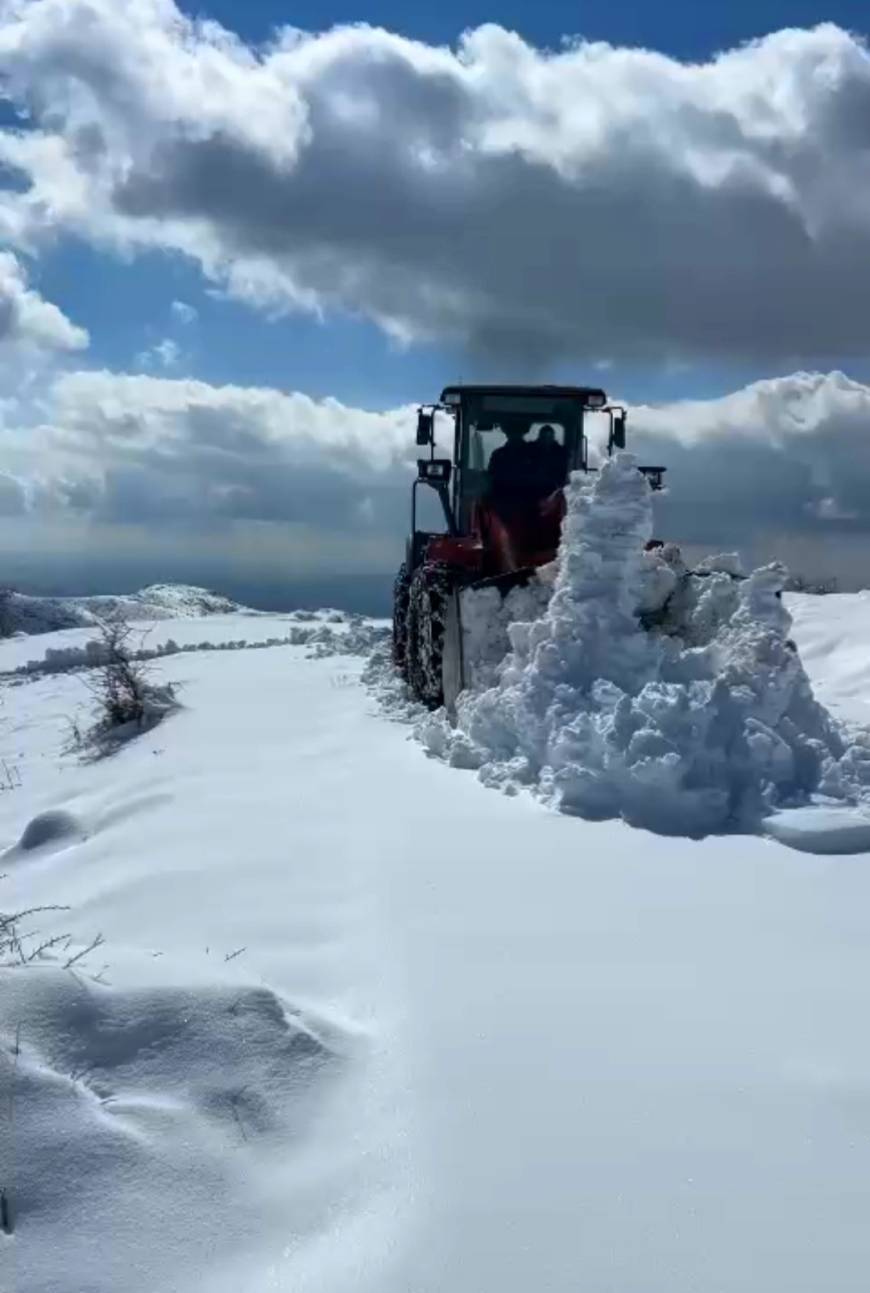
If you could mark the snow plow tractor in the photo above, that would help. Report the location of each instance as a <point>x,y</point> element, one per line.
<point>501,507</point>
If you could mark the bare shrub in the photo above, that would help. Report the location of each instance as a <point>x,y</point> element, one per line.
<point>128,701</point>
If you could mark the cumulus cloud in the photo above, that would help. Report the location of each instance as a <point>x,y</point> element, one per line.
<point>596,201</point>
<point>26,320</point>
<point>781,468</point>
<point>783,458</point>
<point>127,448</point>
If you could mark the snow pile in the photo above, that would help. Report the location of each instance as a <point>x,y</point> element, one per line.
<point>688,735</point>
<point>692,605</point>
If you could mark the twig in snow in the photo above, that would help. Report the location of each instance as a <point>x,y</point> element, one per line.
<point>231,956</point>
<point>10,778</point>
<point>14,940</point>
<point>47,945</point>
<point>86,951</point>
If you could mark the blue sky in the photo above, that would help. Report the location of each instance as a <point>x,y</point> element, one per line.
<point>686,29</point>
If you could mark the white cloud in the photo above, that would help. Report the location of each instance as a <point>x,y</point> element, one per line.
<point>134,448</point>
<point>780,464</point>
<point>184,313</point>
<point>596,201</point>
<point>165,354</point>
<point>27,321</point>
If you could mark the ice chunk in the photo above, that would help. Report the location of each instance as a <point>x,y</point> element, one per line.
<point>817,828</point>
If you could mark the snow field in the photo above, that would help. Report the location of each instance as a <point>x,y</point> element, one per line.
<point>366,1026</point>
<point>212,1105</point>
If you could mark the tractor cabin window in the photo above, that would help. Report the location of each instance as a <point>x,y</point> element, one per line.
<point>486,439</point>
<point>515,452</point>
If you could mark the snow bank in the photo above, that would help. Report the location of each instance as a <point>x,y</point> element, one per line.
<point>706,722</point>
<point>347,635</point>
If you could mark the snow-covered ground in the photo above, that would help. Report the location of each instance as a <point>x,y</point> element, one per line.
<point>367,1025</point>
<point>324,631</point>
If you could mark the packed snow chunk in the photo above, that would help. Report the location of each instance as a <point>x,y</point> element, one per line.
<point>822,828</point>
<point>486,619</point>
<point>53,827</point>
<point>706,730</point>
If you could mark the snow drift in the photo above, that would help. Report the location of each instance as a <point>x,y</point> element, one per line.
<point>705,722</point>
<point>176,1086</point>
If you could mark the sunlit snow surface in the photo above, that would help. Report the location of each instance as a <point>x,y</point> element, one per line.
<point>360,1024</point>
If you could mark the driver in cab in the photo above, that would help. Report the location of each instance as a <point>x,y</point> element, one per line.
<point>521,470</point>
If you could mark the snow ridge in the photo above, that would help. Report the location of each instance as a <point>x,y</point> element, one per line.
<point>22,613</point>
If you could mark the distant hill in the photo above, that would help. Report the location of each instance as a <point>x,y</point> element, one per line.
<point>21,613</point>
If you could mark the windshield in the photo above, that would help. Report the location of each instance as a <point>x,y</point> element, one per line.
<point>521,445</point>
<point>492,420</point>
<point>485,439</point>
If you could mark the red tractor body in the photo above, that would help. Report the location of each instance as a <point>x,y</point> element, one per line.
<point>502,502</point>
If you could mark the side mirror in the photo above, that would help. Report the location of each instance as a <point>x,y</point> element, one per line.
<point>425,427</point>
<point>435,471</point>
<point>618,432</point>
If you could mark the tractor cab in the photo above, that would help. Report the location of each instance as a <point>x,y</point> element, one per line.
<point>512,450</point>
<point>516,444</point>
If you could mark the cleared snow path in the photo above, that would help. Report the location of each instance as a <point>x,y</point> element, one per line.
<point>638,1062</point>
<point>568,1055</point>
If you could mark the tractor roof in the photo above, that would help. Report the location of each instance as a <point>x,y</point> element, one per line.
<point>593,396</point>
